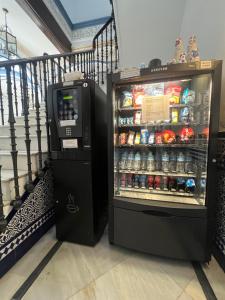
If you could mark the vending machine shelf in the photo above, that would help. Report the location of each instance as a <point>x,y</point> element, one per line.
<point>159,173</point>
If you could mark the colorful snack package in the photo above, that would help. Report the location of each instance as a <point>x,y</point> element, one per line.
<point>130,140</point>
<point>130,121</point>
<point>144,136</point>
<point>126,99</point>
<point>137,117</point>
<point>174,115</point>
<point>122,138</point>
<point>137,138</point>
<point>151,139</point>
<point>173,91</point>
<point>158,138</point>
<point>168,136</point>
<point>138,94</point>
<point>188,96</point>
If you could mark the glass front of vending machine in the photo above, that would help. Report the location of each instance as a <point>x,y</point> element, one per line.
<point>162,152</point>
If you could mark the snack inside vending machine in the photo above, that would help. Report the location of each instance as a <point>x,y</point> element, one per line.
<point>162,159</point>
<point>78,144</point>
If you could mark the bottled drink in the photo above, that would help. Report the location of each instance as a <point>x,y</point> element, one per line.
<point>142,181</point>
<point>188,164</point>
<point>143,161</point>
<point>130,161</point>
<point>180,163</point>
<point>173,162</point>
<point>165,161</point>
<point>150,182</point>
<point>150,162</point>
<point>157,161</point>
<point>137,161</point>
<point>123,160</point>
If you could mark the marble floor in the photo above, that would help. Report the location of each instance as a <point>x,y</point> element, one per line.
<point>107,272</point>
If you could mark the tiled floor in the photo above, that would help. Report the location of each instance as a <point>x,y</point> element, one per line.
<point>107,272</point>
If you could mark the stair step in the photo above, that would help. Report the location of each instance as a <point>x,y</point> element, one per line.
<point>32,112</point>
<point>6,160</point>
<point>5,143</point>
<point>20,130</point>
<point>32,120</point>
<point>8,190</point>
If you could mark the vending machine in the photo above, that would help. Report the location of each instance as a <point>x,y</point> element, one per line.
<point>78,145</point>
<point>163,124</point>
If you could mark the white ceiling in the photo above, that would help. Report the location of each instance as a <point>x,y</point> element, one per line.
<point>31,40</point>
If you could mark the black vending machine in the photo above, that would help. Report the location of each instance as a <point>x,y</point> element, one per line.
<point>78,144</point>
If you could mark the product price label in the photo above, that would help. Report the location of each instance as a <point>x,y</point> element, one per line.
<point>205,64</point>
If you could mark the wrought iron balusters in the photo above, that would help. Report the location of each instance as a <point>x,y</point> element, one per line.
<point>15,91</point>
<point>46,109</point>
<point>1,104</point>
<point>29,185</point>
<point>17,202</point>
<point>102,57</point>
<point>31,84</point>
<point>38,119</point>
<point>3,221</point>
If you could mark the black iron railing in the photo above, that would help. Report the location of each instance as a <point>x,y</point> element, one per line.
<point>23,88</point>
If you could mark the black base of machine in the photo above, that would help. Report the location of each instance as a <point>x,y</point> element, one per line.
<point>78,220</point>
<point>176,232</point>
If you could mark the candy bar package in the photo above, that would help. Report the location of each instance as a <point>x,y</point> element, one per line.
<point>137,117</point>
<point>122,121</point>
<point>188,96</point>
<point>174,92</point>
<point>174,116</point>
<point>138,94</point>
<point>168,136</point>
<point>126,99</point>
<point>122,138</point>
<point>144,136</point>
<point>137,138</point>
<point>130,121</point>
<point>151,139</point>
<point>158,138</point>
<point>130,140</point>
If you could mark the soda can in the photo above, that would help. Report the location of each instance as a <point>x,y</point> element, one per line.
<point>157,182</point>
<point>136,181</point>
<point>123,180</point>
<point>142,180</point>
<point>150,182</point>
<point>165,182</point>
<point>130,180</point>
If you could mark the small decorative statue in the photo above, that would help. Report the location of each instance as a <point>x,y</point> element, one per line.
<point>192,50</point>
<point>180,55</point>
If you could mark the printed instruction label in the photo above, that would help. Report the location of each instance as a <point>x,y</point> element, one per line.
<point>205,64</point>
<point>128,73</point>
<point>70,143</point>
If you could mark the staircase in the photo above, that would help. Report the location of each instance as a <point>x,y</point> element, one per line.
<point>7,174</point>
<point>24,129</point>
